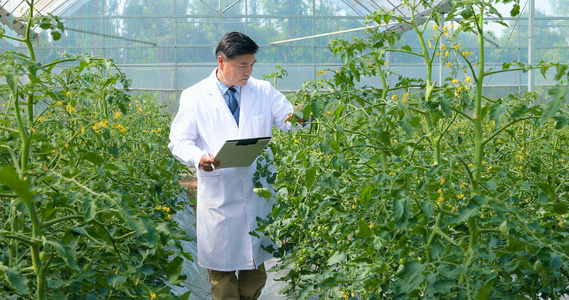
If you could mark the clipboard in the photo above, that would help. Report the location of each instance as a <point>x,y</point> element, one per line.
<point>241,152</point>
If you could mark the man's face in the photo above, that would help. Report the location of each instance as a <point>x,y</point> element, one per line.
<point>235,71</point>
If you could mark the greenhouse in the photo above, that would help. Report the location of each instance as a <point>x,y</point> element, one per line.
<point>418,149</point>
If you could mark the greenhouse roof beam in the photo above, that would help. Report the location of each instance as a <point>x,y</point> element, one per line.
<point>218,10</point>
<point>7,19</point>
<point>110,36</point>
<point>184,16</point>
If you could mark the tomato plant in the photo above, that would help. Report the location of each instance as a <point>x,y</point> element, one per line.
<point>87,183</point>
<point>424,189</point>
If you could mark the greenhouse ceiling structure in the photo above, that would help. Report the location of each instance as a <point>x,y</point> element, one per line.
<point>166,46</point>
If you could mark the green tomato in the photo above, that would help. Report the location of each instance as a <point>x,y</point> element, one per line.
<point>44,256</point>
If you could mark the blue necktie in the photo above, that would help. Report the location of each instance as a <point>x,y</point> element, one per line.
<point>233,105</point>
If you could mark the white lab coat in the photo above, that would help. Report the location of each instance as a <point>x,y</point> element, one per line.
<point>227,207</point>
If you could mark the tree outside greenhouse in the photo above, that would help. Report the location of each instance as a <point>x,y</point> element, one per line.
<point>407,188</point>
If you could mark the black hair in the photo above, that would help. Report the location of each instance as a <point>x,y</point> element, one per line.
<point>234,44</point>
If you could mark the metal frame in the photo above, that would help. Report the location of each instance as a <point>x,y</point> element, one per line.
<point>359,8</point>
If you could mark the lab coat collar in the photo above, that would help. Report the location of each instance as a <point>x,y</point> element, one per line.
<point>248,98</point>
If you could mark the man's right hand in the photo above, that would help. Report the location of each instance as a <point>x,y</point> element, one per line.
<point>208,162</point>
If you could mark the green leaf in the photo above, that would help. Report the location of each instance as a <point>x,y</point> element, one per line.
<point>337,258</point>
<point>410,277</point>
<point>174,269</point>
<point>115,280</point>
<point>406,126</point>
<point>515,10</point>
<point>365,194</point>
<point>56,35</point>
<point>17,280</point>
<point>561,122</point>
<point>132,221</point>
<point>66,253</point>
<point>555,262</point>
<point>484,292</point>
<point>309,177</point>
<point>89,206</point>
<point>547,190</point>
<point>444,286</point>
<point>10,178</point>
<point>445,105</point>
<point>363,229</point>
<point>95,158</point>
<point>494,11</point>
<point>438,250</point>
<point>560,71</point>
<point>498,111</point>
<point>468,12</point>
<point>401,212</point>
<point>12,83</point>
<point>491,185</point>
<point>504,228</point>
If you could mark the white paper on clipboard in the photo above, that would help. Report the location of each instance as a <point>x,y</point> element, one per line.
<point>240,153</point>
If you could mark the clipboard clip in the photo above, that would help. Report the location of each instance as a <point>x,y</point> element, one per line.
<point>245,142</point>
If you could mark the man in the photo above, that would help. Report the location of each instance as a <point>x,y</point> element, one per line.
<point>227,207</point>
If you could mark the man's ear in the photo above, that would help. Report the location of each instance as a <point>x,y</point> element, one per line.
<point>220,61</point>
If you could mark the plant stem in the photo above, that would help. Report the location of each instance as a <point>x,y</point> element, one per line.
<point>428,89</point>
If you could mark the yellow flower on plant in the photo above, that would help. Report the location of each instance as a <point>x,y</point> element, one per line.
<point>152,296</point>
<point>454,81</point>
<point>137,281</point>
<point>463,185</point>
<point>435,27</point>
<point>460,196</point>
<point>443,46</point>
<point>442,180</point>
<point>117,114</point>
<point>468,79</point>
<point>68,94</point>
<point>430,45</point>
<point>446,53</point>
<point>440,191</point>
<point>370,225</point>
<point>60,103</point>
<point>353,206</point>
<point>448,65</point>
<point>445,28</point>
<point>70,109</point>
<point>329,112</point>
<point>456,47</point>
<point>441,199</point>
